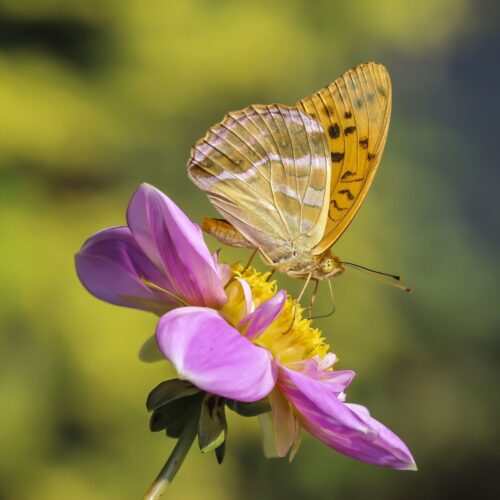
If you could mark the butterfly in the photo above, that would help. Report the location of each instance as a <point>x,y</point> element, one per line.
<point>288,180</point>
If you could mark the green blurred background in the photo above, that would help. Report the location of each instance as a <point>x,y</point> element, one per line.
<point>98,96</point>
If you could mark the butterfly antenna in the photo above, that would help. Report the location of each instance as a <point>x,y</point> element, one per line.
<point>378,275</point>
<point>359,266</point>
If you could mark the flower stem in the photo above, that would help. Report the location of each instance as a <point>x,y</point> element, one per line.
<point>175,460</point>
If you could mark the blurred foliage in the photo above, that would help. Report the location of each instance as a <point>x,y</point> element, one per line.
<point>99,96</point>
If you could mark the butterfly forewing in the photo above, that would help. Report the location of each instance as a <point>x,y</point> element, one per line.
<point>267,171</point>
<point>354,111</point>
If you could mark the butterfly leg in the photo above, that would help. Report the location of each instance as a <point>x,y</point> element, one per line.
<point>297,303</point>
<point>313,298</point>
<point>250,260</point>
<point>271,273</point>
<point>333,303</point>
<point>301,294</point>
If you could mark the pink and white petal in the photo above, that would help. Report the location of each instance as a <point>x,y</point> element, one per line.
<point>223,270</point>
<point>172,241</point>
<point>211,354</point>
<point>239,301</point>
<point>113,267</point>
<point>387,449</point>
<point>315,398</point>
<point>361,411</point>
<point>247,293</point>
<point>341,427</point>
<point>338,380</point>
<point>326,361</point>
<point>264,315</point>
<point>297,439</point>
<point>280,428</point>
<point>268,433</point>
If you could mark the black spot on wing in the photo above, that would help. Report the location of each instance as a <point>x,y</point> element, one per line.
<point>349,130</point>
<point>335,204</point>
<point>371,156</point>
<point>364,142</point>
<point>347,174</point>
<point>348,193</point>
<point>347,115</point>
<point>337,157</point>
<point>334,131</point>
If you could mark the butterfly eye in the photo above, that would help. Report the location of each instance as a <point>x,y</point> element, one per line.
<point>327,266</point>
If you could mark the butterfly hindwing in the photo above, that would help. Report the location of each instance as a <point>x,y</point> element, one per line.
<point>354,111</point>
<point>267,170</point>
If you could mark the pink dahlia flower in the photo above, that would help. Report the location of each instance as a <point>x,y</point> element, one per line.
<point>230,333</point>
<point>157,262</point>
<point>222,353</point>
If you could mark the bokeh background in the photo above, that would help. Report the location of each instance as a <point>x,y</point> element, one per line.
<point>97,96</point>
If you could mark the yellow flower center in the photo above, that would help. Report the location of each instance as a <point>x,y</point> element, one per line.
<point>288,339</point>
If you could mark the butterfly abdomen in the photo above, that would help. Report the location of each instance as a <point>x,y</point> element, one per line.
<point>225,233</point>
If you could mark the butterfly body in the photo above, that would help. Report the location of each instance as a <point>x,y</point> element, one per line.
<point>300,265</point>
<point>288,180</point>
<point>287,260</point>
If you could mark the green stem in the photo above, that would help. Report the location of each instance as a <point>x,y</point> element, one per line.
<point>174,462</point>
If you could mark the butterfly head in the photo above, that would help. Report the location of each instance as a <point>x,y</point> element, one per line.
<point>329,266</point>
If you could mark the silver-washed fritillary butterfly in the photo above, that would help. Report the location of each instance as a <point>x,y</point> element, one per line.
<point>289,179</point>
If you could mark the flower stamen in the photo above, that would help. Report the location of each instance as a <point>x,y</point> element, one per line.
<point>154,286</point>
<point>291,336</point>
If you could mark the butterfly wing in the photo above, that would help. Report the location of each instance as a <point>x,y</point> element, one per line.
<point>354,111</point>
<point>266,169</point>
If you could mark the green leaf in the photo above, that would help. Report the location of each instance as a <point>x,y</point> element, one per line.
<point>212,426</point>
<point>168,391</point>
<point>249,409</point>
<point>220,452</point>
<point>165,416</point>
<point>175,430</point>
<point>149,352</point>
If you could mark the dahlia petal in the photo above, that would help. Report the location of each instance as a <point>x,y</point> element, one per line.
<point>388,449</point>
<point>223,270</point>
<point>247,293</point>
<point>348,430</point>
<point>268,433</point>
<point>326,361</point>
<point>264,315</point>
<point>214,356</point>
<point>176,246</point>
<point>280,432</point>
<point>338,380</point>
<point>113,267</point>
<point>308,394</point>
<point>239,301</point>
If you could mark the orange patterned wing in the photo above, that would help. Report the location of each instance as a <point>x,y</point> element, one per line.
<point>266,169</point>
<point>354,111</point>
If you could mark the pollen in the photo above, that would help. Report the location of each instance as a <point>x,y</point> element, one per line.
<point>262,288</point>
<point>291,337</point>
